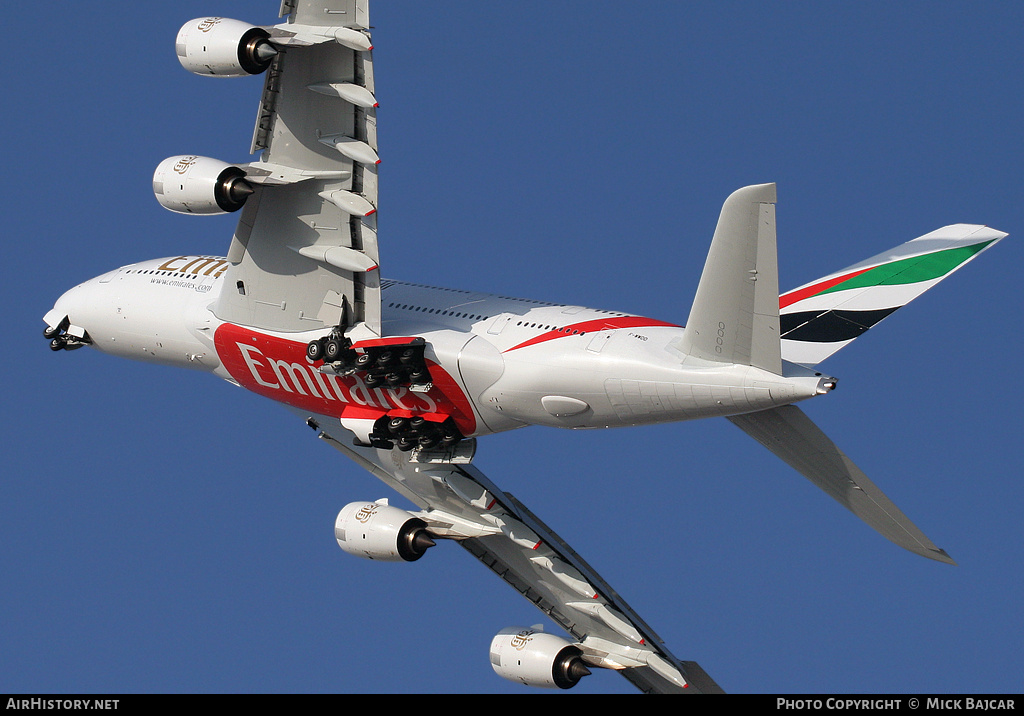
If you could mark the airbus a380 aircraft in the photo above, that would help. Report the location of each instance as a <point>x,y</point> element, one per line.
<point>403,378</point>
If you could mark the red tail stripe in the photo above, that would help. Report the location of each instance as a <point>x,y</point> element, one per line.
<point>794,296</point>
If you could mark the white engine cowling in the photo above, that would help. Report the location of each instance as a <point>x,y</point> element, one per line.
<point>199,185</point>
<point>375,530</point>
<point>221,47</point>
<point>531,657</point>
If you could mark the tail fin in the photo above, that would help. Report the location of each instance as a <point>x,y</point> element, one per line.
<point>825,315</point>
<point>735,314</point>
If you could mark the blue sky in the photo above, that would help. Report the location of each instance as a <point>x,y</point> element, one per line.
<point>164,532</point>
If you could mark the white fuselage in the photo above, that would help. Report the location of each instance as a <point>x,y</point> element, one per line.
<point>497,363</point>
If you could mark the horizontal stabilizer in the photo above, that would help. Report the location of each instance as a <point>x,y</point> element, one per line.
<point>792,436</point>
<point>827,314</point>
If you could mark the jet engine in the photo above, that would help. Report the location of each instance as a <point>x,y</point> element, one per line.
<point>221,47</point>
<point>200,185</point>
<point>375,530</point>
<point>531,657</point>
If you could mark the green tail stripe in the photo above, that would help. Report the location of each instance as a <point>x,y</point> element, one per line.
<point>913,270</point>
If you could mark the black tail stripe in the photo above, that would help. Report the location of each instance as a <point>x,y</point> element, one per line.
<point>829,327</point>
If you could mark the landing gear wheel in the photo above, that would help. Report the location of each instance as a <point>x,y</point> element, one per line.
<point>449,436</point>
<point>419,375</point>
<point>315,350</point>
<point>58,344</point>
<point>429,440</point>
<point>332,350</point>
<point>49,333</point>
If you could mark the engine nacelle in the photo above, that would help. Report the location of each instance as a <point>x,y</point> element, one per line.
<point>531,657</point>
<point>375,530</point>
<point>221,47</point>
<point>200,185</point>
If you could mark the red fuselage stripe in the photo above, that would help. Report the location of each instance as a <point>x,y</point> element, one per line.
<point>600,324</point>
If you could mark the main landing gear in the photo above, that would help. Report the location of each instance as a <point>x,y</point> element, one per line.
<point>390,363</point>
<point>416,431</point>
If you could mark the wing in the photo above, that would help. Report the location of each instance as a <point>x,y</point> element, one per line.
<point>460,502</point>
<point>304,254</point>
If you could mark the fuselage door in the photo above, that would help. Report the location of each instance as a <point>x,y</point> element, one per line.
<point>499,323</point>
<point>597,343</point>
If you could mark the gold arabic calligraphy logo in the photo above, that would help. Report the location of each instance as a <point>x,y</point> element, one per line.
<point>209,23</point>
<point>366,512</point>
<point>520,640</point>
<point>184,164</point>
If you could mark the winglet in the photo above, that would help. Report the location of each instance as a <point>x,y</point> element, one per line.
<point>735,314</point>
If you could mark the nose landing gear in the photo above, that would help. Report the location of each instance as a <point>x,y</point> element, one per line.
<point>61,340</point>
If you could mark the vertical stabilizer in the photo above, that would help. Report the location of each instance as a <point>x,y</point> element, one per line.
<point>827,314</point>
<point>735,314</point>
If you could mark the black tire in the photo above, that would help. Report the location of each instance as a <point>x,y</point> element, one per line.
<point>419,375</point>
<point>386,359</point>
<point>407,356</point>
<point>397,425</point>
<point>57,344</point>
<point>363,360</point>
<point>332,350</point>
<point>50,333</point>
<point>429,440</point>
<point>406,443</point>
<point>315,350</point>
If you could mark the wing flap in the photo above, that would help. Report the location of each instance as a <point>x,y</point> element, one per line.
<point>792,436</point>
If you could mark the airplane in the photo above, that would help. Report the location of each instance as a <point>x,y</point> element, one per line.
<point>403,378</point>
